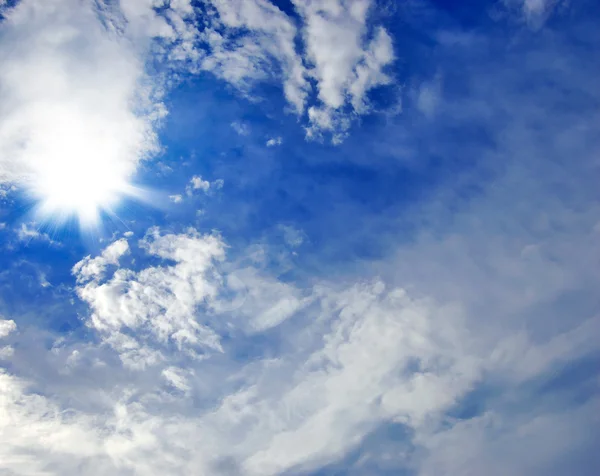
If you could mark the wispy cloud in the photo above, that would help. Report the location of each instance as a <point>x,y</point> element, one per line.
<point>274,141</point>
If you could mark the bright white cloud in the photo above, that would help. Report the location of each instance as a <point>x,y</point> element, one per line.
<point>303,408</point>
<point>197,183</point>
<point>253,40</point>
<point>158,303</point>
<point>351,357</point>
<point>347,59</point>
<point>272,36</point>
<point>93,268</point>
<point>6,327</point>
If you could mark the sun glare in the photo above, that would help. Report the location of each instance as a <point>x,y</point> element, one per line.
<point>80,168</point>
<point>71,187</point>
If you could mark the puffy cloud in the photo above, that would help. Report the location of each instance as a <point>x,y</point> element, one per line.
<point>157,303</point>
<point>93,268</point>
<point>305,407</point>
<point>6,327</point>
<point>347,60</point>
<point>196,183</point>
<point>339,362</point>
<point>364,355</point>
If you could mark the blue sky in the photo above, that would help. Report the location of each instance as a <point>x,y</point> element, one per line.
<point>300,237</point>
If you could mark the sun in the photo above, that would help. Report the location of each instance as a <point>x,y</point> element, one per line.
<point>70,187</point>
<point>80,183</point>
<point>80,168</point>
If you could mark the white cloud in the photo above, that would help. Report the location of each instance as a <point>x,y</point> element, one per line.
<point>302,408</point>
<point>196,183</point>
<point>274,141</point>
<point>274,375</point>
<point>218,184</point>
<point>346,56</point>
<point>347,62</point>
<point>177,198</point>
<point>178,378</point>
<point>241,128</point>
<point>158,303</point>
<point>94,268</point>
<point>351,357</point>
<point>271,38</point>
<point>6,327</point>
<point>28,232</point>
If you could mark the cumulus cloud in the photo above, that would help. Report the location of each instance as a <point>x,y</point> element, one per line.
<point>302,407</point>
<point>196,183</point>
<point>93,268</point>
<point>347,59</point>
<point>6,327</point>
<point>158,303</point>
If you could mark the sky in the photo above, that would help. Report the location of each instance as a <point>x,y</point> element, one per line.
<point>299,237</point>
